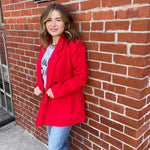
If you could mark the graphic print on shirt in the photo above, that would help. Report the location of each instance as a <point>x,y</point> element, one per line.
<point>44,67</point>
<point>44,63</point>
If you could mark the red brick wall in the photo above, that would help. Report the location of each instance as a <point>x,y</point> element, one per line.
<point>117,93</point>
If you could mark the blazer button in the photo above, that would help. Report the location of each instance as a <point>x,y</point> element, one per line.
<point>55,83</point>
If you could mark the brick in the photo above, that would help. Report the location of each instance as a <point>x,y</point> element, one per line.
<point>90,4</point>
<point>36,27</point>
<point>136,133</point>
<point>80,131</point>
<point>9,7</point>
<point>130,82</point>
<point>84,36</point>
<point>30,66</point>
<point>133,61</point>
<point>93,83</point>
<point>147,133</point>
<point>147,60</point>
<point>117,25</point>
<point>6,14</point>
<point>113,68</point>
<point>28,40</point>
<point>96,147</point>
<point>110,3</point>
<point>111,140</point>
<point>76,26</point>
<point>99,110</point>
<point>131,132</point>
<point>108,37</point>
<point>100,56</point>
<point>82,16</point>
<point>138,104</point>
<point>88,89</point>
<point>91,45</point>
<point>134,93</point>
<point>19,27</point>
<point>144,12</point>
<point>85,26</point>
<point>33,19</point>
<point>110,96</point>
<point>126,147</point>
<point>97,26</point>
<point>133,37</point>
<point>72,7</point>
<point>103,15</point>
<point>94,65</point>
<point>112,124</point>
<point>87,142</point>
<point>21,20</point>
<point>19,6</point>
<point>140,25</point>
<point>137,114</point>
<point>79,138</point>
<point>29,4</point>
<point>24,58</point>
<point>22,33</point>
<point>113,148</point>
<point>91,99</point>
<point>15,56</point>
<point>80,145</point>
<point>32,34</point>
<point>26,12</point>
<point>5,2</point>
<point>125,138</point>
<point>114,88</point>
<point>138,72</point>
<point>140,49</point>
<point>90,130</point>
<point>37,11</point>
<point>99,93</point>
<point>127,121</point>
<point>139,12</point>
<point>112,106</point>
<point>98,141</point>
<point>15,13</point>
<point>144,145</point>
<point>92,115</point>
<point>99,126</point>
<point>100,75</point>
<point>141,1</point>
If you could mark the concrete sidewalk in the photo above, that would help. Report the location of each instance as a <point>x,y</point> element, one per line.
<point>13,137</point>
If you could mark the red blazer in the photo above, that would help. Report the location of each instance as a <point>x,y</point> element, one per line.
<point>67,72</point>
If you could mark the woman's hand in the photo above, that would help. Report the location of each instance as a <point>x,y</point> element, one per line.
<point>50,93</point>
<point>37,91</point>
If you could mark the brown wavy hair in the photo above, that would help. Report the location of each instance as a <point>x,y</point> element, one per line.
<point>69,31</point>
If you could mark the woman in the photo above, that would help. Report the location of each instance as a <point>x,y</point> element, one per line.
<point>61,73</point>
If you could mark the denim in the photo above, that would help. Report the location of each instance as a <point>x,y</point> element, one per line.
<point>58,137</point>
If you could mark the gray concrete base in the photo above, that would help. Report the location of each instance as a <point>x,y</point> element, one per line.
<point>13,137</point>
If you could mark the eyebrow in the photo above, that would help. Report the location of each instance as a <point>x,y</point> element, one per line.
<point>56,18</point>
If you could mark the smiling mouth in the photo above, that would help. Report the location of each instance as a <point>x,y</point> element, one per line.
<point>53,30</point>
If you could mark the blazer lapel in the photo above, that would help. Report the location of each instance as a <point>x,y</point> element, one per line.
<point>53,61</point>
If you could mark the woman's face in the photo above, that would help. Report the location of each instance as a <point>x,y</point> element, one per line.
<point>55,25</point>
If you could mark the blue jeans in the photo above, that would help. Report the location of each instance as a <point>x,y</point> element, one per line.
<point>58,137</point>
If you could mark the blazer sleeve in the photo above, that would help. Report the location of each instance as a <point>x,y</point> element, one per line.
<point>80,73</point>
<point>38,71</point>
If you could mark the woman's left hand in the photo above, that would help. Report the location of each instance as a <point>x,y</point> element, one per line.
<point>50,93</point>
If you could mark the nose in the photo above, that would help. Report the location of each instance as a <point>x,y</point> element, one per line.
<point>53,23</point>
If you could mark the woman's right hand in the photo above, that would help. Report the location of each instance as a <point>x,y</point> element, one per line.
<point>37,91</point>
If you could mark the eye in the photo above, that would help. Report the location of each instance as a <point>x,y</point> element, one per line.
<point>59,19</point>
<point>49,20</point>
